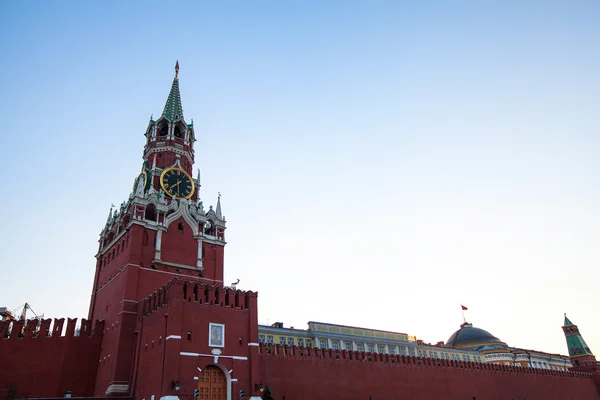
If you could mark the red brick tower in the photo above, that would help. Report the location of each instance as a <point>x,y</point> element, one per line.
<point>160,233</point>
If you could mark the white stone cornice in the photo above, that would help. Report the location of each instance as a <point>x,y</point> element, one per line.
<point>117,388</point>
<point>176,265</point>
<point>161,147</point>
<point>109,244</point>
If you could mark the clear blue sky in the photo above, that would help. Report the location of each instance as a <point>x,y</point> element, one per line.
<point>380,162</point>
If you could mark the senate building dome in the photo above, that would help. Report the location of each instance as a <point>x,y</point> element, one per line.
<point>476,339</point>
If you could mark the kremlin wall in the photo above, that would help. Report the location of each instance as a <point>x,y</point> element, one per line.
<point>162,324</point>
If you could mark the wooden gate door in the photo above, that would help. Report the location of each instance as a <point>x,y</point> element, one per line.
<point>212,384</point>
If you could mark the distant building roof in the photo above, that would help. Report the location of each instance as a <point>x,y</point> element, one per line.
<point>476,338</point>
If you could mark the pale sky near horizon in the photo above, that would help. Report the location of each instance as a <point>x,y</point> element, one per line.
<point>381,162</point>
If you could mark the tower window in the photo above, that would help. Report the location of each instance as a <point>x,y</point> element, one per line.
<point>180,226</point>
<point>177,132</point>
<point>163,128</point>
<point>150,213</point>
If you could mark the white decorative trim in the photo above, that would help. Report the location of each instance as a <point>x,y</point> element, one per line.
<point>118,273</point>
<point>233,379</point>
<point>158,242</point>
<point>186,353</point>
<point>173,337</point>
<point>195,378</point>
<point>177,265</point>
<point>169,398</point>
<point>129,301</point>
<point>127,312</point>
<point>179,275</point>
<point>252,344</point>
<point>199,258</point>
<point>161,146</point>
<point>117,388</point>
<point>183,211</point>
<point>212,281</point>
<point>110,244</point>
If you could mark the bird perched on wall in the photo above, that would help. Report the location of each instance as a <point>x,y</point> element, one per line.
<point>234,284</point>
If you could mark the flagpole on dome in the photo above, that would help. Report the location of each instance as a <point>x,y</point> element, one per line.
<point>463,308</point>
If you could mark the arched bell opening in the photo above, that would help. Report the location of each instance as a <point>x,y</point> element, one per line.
<point>163,128</point>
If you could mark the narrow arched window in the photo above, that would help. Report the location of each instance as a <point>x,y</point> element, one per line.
<point>150,213</point>
<point>163,128</point>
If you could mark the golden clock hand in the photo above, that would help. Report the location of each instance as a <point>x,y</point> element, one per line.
<point>176,184</point>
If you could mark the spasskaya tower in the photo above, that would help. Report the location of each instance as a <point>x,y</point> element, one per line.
<point>162,231</point>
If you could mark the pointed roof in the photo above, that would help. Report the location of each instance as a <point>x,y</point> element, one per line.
<point>173,110</point>
<point>567,321</point>
<point>575,343</point>
<point>218,212</point>
<point>110,214</point>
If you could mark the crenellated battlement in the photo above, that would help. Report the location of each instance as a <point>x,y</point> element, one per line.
<point>284,352</point>
<point>49,329</point>
<point>197,292</point>
<point>61,354</point>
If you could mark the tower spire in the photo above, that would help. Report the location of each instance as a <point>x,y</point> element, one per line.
<point>173,110</point>
<point>218,211</point>
<point>580,354</point>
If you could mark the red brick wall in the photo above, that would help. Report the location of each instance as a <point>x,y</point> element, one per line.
<point>179,246</point>
<point>49,366</point>
<point>187,315</point>
<point>213,262</point>
<point>322,376</point>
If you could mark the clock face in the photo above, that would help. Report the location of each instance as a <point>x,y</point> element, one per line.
<point>177,183</point>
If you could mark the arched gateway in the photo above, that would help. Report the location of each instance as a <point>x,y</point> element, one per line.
<point>212,384</point>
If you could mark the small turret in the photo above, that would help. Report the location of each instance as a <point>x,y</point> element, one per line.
<point>110,215</point>
<point>218,211</point>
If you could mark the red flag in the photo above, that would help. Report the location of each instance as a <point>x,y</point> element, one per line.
<point>463,307</point>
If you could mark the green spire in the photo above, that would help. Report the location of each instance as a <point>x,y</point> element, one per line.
<point>173,110</point>
<point>575,342</point>
<point>567,321</point>
<point>577,346</point>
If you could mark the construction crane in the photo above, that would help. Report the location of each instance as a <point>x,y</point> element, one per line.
<point>10,315</point>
